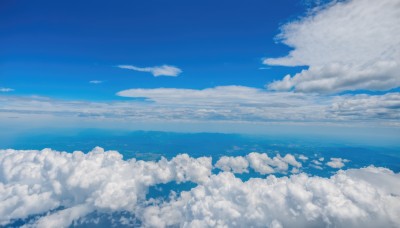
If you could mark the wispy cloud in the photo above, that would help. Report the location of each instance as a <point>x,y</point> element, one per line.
<point>95,82</point>
<point>2,89</point>
<point>156,71</point>
<point>225,103</point>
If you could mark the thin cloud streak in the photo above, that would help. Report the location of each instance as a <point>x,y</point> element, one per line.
<point>156,71</point>
<point>2,89</point>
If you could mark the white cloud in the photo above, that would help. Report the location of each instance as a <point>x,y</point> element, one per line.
<point>260,162</point>
<point>316,162</point>
<point>348,45</point>
<point>385,106</point>
<point>2,89</point>
<point>347,199</point>
<point>233,164</point>
<point>303,157</point>
<point>38,182</point>
<point>35,182</point>
<point>164,70</point>
<point>223,103</point>
<point>337,163</point>
<point>263,164</point>
<point>316,167</point>
<point>95,82</point>
<point>233,95</point>
<point>291,160</point>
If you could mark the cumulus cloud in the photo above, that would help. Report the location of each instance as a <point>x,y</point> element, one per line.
<point>303,157</point>
<point>347,199</point>
<point>164,70</point>
<point>3,89</point>
<point>263,164</point>
<point>63,187</point>
<point>337,163</point>
<point>260,162</point>
<point>348,45</point>
<point>237,164</point>
<point>34,182</point>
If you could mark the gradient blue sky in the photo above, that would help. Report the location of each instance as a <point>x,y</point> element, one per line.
<point>270,62</point>
<point>53,48</point>
<point>315,85</point>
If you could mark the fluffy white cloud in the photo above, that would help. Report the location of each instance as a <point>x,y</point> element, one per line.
<point>34,182</point>
<point>348,45</point>
<point>260,162</point>
<point>337,163</point>
<point>303,157</point>
<point>237,164</point>
<point>347,199</point>
<point>63,187</point>
<point>164,70</point>
<point>2,89</point>
<point>263,164</point>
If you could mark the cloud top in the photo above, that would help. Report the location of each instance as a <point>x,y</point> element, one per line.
<point>63,188</point>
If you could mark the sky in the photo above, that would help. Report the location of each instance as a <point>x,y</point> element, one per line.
<point>148,64</point>
<point>312,86</point>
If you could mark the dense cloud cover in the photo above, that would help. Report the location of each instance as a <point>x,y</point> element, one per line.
<point>64,187</point>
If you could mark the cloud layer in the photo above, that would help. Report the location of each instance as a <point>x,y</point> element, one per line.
<point>156,71</point>
<point>65,187</point>
<point>223,103</point>
<point>348,45</point>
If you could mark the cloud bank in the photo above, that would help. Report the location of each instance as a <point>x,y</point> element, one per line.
<point>62,188</point>
<point>156,71</point>
<point>223,103</point>
<point>348,45</point>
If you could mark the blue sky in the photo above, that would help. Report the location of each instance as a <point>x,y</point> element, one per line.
<point>102,64</point>
<point>51,48</point>
<point>311,87</point>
